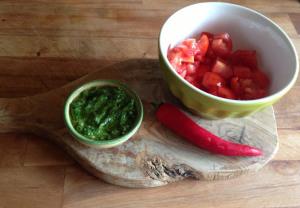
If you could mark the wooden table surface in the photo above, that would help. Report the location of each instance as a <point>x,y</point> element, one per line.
<point>45,44</point>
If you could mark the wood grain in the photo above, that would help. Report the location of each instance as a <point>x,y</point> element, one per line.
<point>12,150</point>
<point>41,70</point>
<point>247,191</point>
<point>289,145</point>
<point>42,153</point>
<point>31,187</point>
<point>154,156</point>
<point>289,106</point>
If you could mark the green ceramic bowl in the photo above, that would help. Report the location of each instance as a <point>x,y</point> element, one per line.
<point>106,143</point>
<point>249,30</point>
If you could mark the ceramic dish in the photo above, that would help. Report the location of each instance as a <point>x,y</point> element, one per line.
<point>103,143</point>
<point>249,30</point>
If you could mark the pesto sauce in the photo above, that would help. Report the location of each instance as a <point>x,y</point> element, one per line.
<point>103,113</point>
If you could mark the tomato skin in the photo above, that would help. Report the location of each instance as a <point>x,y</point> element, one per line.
<point>213,91</point>
<point>182,73</point>
<point>261,93</point>
<point>254,93</point>
<point>210,36</point>
<point>246,89</point>
<point>222,45</point>
<point>187,55</point>
<point>225,37</point>
<point>226,93</point>
<point>247,83</point>
<point>202,46</point>
<point>201,70</point>
<point>212,80</point>
<point>190,69</point>
<point>209,64</point>
<point>222,68</point>
<point>190,43</point>
<point>190,79</point>
<point>236,86</point>
<point>261,79</point>
<point>245,57</point>
<point>242,72</point>
<point>210,55</point>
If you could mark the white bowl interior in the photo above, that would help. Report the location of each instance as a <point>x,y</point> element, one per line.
<point>248,29</point>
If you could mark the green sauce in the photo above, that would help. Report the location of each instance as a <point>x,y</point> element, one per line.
<point>103,113</point>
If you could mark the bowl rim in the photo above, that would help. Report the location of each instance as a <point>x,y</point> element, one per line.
<point>263,100</point>
<point>105,143</point>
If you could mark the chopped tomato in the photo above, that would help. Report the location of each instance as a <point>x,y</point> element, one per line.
<point>210,36</point>
<point>208,64</point>
<point>190,69</point>
<point>183,73</point>
<point>213,91</point>
<point>199,85</point>
<point>245,57</point>
<point>182,53</point>
<point>247,83</point>
<point>254,93</point>
<point>190,79</point>
<point>250,93</point>
<point>222,45</point>
<point>251,90</point>
<point>210,56</point>
<point>261,93</point>
<point>180,68</point>
<point>202,46</point>
<point>226,93</point>
<point>212,80</point>
<point>202,69</point>
<point>236,86</point>
<point>190,43</point>
<point>225,37</point>
<point>242,72</point>
<point>261,79</point>
<point>186,54</point>
<point>209,60</point>
<point>222,68</point>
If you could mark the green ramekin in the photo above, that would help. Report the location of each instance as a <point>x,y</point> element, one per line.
<point>102,143</point>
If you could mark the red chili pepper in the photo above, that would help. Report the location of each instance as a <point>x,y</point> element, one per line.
<point>173,118</point>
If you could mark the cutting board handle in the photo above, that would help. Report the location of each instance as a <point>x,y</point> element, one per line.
<point>14,113</point>
<point>42,112</point>
<point>154,156</point>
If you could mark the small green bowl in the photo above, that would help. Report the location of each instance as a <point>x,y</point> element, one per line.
<point>106,143</point>
<point>249,30</point>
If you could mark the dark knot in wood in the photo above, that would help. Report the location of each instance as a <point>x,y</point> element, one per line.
<point>159,169</point>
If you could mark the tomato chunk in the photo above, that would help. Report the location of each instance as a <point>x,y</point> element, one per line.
<point>226,93</point>
<point>190,69</point>
<point>201,48</point>
<point>213,91</point>
<point>222,68</point>
<point>242,72</point>
<point>236,86</point>
<point>208,63</point>
<point>222,45</point>
<point>245,57</point>
<point>186,54</point>
<point>201,70</point>
<point>212,80</point>
<point>253,93</point>
<point>247,83</point>
<point>261,79</point>
<point>190,43</point>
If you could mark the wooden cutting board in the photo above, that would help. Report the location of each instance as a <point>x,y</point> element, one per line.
<point>154,156</point>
